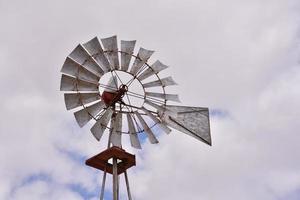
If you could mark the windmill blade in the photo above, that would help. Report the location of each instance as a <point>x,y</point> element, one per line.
<point>111,46</point>
<point>74,100</point>
<point>134,140</point>
<point>69,83</point>
<point>193,121</point>
<point>162,126</point>
<point>146,128</point>
<point>73,68</point>
<point>101,124</point>
<point>80,55</point>
<point>162,82</point>
<point>127,48</point>
<point>170,97</point>
<point>154,69</point>
<point>94,48</point>
<point>142,57</point>
<point>116,127</point>
<point>85,115</point>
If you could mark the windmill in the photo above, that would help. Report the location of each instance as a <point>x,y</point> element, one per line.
<point>122,94</point>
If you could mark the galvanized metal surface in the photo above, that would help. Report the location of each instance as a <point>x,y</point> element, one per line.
<point>99,127</point>
<point>115,180</point>
<point>193,121</point>
<point>127,186</point>
<point>146,128</point>
<point>170,97</point>
<point>110,45</point>
<point>116,126</point>
<point>88,62</point>
<point>85,115</point>
<point>94,48</point>
<point>74,100</point>
<point>69,83</point>
<point>73,68</point>
<point>154,105</point>
<point>127,48</point>
<point>162,82</point>
<point>156,67</point>
<point>103,185</point>
<point>162,126</point>
<point>134,140</point>
<point>142,57</point>
<point>80,55</point>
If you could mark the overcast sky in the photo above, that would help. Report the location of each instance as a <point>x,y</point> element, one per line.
<point>240,58</point>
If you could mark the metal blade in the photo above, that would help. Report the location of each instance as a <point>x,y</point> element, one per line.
<point>155,68</point>
<point>193,121</point>
<point>80,55</point>
<point>79,99</point>
<point>101,124</point>
<point>171,97</point>
<point>94,48</point>
<point>73,68</point>
<point>111,47</point>
<point>69,83</point>
<point>85,115</point>
<point>134,140</point>
<point>116,126</point>
<point>157,121</point>
<point>142,57</point>
<point>147,130</point>
<point>127,48</point>
<point>163,82</point>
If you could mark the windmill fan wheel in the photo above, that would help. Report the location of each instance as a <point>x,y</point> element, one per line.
<point>120,91</point>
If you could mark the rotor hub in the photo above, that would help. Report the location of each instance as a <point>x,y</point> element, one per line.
<point>110,98</point>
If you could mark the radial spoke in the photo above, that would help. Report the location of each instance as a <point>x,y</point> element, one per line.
<point>133,93</point>
<point>118,77</point>
<point>137,124</point>
<point>136,95</point>
<point>141,70</point>
<point>114,78</point>
<point>132,115</point>
<point>100,113</point>
<point>139,108</point>
<point>148,98</point>
<point>131,80</point>
<point>106,86</point>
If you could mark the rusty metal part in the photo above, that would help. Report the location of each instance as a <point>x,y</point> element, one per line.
<point>100,161</point>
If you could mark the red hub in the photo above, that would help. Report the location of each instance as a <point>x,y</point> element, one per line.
<point>110,98</point>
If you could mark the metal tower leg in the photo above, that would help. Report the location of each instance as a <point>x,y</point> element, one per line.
<point>121,161</point>
<point>103,185</point>
<point>127,185</point>
<point>118,187</point>
<point>115,179</point>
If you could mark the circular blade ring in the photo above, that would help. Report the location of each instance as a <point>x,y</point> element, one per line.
<point>128,108</point>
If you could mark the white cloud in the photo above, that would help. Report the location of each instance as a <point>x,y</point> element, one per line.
<point>42,190</point>
<point>238,56</point>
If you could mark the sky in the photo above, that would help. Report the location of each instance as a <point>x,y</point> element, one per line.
<point>240,58</point>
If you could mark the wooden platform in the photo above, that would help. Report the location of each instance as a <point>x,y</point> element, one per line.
<point>100,161</point>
